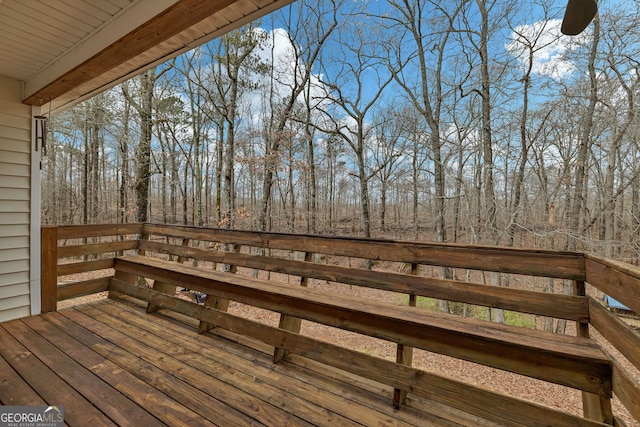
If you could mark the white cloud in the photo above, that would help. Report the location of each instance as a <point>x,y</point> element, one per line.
<point>549,45</point>
<point>278,50</point>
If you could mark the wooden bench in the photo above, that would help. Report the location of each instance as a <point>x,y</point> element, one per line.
<point>571,361</point>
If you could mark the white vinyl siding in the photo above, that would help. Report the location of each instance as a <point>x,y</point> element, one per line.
<point>15,202</point>
<point>16,309</point>
<point>13,279</point>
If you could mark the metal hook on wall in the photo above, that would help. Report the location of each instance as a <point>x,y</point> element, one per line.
<point>41,133</point>
<point>41,130</point>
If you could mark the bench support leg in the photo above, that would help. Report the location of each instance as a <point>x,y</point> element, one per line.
<point>165,288</point>
<point>290,323</point>
<point>597,408</point>
<point>404,355</point>
<point>123,277</point>
<point>216,303</point>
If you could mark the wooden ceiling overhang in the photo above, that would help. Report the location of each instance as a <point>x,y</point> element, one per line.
<point>178,29</point>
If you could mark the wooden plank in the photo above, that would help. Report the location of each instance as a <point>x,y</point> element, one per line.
<point>107,399</point>
<point>570,361</point>
<point>187,385</point>
<point>144,394</point>
<point>264,402</point>
<point>47,383</point>
<point>97,230</point>
<point>14,391</point>
<point>536,262</point>
<point>619,280</point>
<point>627,389</point>
<point>316,401</point>
<point>48,269</point>
<point>96,248</point>
<point>539,303</point>
<point>490,405</point>
<point>618,333</point>
<point>84,287</point>
<point>83,267</point>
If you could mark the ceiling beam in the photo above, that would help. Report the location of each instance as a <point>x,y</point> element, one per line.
<point>163,26</point>
<point>124,22</point>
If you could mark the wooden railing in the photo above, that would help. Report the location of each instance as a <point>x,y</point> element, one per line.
<point>74,249</point>
<point>304,257</point>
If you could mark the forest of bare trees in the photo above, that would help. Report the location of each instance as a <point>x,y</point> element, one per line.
<point>459,121</point>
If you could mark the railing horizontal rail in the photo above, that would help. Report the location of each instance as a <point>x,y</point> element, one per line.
<point>623,338</point>
<point>84,267</point>
<point>84,287</point>
<point>98,230</point>
<point>627,389</point>
<point>68,242</point>
<point>96,248</point>
<point>534,262</point>
<point>544,304</point>
<point>619,280</point>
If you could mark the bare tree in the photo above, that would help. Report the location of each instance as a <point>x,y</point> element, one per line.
<point>389,154</point>
<point>429,26</point>
<point>528,41</point>
<point>142,102</point>
<point>308,29</point>
<point>357,61</point>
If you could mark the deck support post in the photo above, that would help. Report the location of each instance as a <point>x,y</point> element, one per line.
<point>217,303</point>
<point>49,269</point>
<point>594,407</point>
<point>404,354</point>
<point>290,323</point>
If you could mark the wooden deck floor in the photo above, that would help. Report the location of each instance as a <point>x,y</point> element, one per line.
<point>110,363</point>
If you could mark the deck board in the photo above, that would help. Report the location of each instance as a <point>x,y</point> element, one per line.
<point>46,382</point>
<point>241,372</point>
<point>110,363</point>
<point>139,391</point>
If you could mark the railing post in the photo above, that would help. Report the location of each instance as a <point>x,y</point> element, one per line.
<point>404,354</point>
<point>594,407</point>
<point>49,268</point>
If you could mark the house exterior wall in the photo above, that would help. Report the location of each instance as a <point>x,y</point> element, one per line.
<point>16,198</point>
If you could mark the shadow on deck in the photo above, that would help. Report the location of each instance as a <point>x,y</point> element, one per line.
<point>109,362</point>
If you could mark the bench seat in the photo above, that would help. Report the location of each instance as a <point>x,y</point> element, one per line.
<point>571,361</point>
